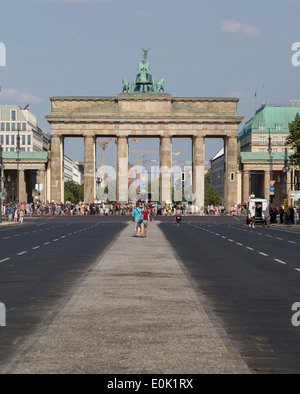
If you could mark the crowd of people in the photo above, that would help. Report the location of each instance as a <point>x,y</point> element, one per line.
<point>14,212</point>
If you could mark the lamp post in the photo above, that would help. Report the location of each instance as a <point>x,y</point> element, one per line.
<point>18,163</point>
<point>1,170</point>
<point>285,169</point>
<point>271,168</point>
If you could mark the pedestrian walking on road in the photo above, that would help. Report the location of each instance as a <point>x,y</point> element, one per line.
<point>252,217</point>
<point>267,218</point>
<point>136,214</point>
<point>145,215</point>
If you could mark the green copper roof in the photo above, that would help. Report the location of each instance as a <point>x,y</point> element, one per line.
<point>25,155</point>
<point>270,117</point>
<point>257,156</point>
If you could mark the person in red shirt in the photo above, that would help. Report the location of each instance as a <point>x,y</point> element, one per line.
<point>145,216</point>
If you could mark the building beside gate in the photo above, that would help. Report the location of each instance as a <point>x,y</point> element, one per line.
<point>269,128</point>
<point>258,165</point>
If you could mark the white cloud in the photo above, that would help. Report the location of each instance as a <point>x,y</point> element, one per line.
<point>12,96</point>
<point>234,26</point>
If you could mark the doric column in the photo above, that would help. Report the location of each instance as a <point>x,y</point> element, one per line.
<point>42,181</point>
<point>57,169</point>
<point>165,170</point>
<point>22,187</point>
<point>231,167</point>
<point>89,168</point>
<point>246,186</point>
<point>122,169</point>
<point>198,170</point>
<point>267,185</point>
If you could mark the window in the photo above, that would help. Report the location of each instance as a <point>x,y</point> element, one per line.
<point>7,126</point>
<point>13,127</point>
<point>275,140</point>
<point>1,139</point>
<point>262,127</point>
<point>283,140</point>
<point>2,126</point>
<point>262,150</point>
<point>12,149</point>
<point>23,139</point>
<point>279,127</point>
<point>13,115</point>
<point>275,150</point>
<point>7,140</point>
<point>12,140</point>
<point>23,126</point>
<point>262,140</point>
<point>19,126</point>
<point>29,140</point>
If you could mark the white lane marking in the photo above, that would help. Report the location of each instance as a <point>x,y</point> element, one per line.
<point>55,240</point>
<point>6,237</point>
<point>2,261</point>
<point>263,254</point>
<point>297,269</point>
<point>248,247</point>
<point>291,242</point>
<point>36,247</point>
<point>46,243</point>
<point>21,253</point>
<point>239,244</point>
<point>280,261</point>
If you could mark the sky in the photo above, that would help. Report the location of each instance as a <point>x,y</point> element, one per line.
<point>214,48</point>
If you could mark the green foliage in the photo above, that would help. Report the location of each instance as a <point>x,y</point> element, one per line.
<point>73,192</point>
<point>294,139</point>
<point>211,195</point>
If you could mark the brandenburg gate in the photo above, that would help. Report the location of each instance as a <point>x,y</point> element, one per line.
<point>144,110</point>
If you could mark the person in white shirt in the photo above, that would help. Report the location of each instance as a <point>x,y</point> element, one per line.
<point>252,217</point>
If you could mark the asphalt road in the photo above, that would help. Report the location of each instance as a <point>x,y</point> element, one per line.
<point>41,262</point>
<point>251,279</point>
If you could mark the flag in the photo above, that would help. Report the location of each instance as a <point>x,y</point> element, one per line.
<point>255,95</point>
<point>27,106</point>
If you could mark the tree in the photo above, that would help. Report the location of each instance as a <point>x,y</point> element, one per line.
<point>73,192</point>
<point>294,140</point>
<point>211,195</point>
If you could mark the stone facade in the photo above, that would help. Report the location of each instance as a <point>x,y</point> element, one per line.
<point>144,115</point>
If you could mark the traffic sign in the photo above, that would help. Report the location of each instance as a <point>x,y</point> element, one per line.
<point>272,189</point>
<point>272,183</point>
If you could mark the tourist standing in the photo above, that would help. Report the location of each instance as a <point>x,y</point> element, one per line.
<point>144,215</point>
<point>136,214</point>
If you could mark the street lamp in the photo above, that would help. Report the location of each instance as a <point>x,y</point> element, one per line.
<point>1,169</point>
<point>271,168</point>
<point>285,169</point>
<point>18,163</point>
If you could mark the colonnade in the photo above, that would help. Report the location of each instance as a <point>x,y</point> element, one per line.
<point>198,164</point>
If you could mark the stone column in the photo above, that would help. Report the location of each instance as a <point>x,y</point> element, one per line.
<point>42,181</point>
<point>231,168</point>
<point>57,169</point>
<point>246,186</point>
<point>267,185</point>
<point>122,169</point>
<point>89,168</point>
<point>198,171</point>
<point>165,170</point>
<point>22,187</point>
